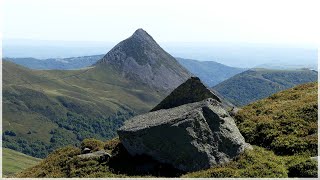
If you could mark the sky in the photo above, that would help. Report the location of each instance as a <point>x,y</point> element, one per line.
<point>250,21</point>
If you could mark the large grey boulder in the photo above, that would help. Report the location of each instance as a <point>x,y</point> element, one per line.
<point>190,137</point>
<point>192,90</point>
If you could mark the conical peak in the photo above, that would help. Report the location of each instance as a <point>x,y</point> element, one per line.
<point>140,32</point>
<point>141,59</point>
<point>142,36</point>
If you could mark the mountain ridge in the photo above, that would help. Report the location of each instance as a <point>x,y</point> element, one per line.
<point>258,83</point>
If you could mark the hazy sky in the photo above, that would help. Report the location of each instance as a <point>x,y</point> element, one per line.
<point>254,21</point>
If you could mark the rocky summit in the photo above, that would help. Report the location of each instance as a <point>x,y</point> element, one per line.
<point>193,90</point>
<point>141,59</point>
<point>189,137</point>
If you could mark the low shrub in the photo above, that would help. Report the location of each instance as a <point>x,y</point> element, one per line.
<point>308,168</point>
<point>258,163</point>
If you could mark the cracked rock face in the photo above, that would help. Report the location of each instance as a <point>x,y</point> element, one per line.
<point>190,137</point>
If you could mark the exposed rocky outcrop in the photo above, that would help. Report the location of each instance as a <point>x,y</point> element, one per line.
<point>190,137</point>
<point>141,59</point>
<point>192,90</point>
<point>98,155</point>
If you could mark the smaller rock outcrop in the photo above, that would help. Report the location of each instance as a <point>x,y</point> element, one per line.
<point>98,155</point>
<point>314,158</point>
<point>190,137</point>
<point>85,150</point>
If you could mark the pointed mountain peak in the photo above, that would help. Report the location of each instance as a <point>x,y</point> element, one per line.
<point>141,32</point>
<point>189,92</point>
<point>141,59</point>
<point>141,36</point>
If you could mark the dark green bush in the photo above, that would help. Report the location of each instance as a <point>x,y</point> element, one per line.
<point>308,168</point>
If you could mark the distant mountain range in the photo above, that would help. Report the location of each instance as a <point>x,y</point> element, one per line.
<point>210,72</point>
<point>56,63</point>
<point>288,66</point>
<point>47,109</point>
<point>255,84</point>
<point>234,54</point>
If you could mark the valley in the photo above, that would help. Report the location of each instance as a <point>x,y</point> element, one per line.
<point>282,159</point>
<point>55,114</point>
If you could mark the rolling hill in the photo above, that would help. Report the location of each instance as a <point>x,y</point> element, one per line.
<point>210,72</point>
<point>282,128</point>
<point>14,162</point>
<point>47,109</point>
<point>255,84</point>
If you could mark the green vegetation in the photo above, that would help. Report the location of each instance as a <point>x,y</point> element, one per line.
<point>64,162</point>
<point>307,168</point>
<point>271,123</point>
<point>258,162</point>
<point>14,162</point>
<point>285,122</point>
<point>256,84</point>
<point>92,144</point>
<point>261,163</point>
<point>45,110</point>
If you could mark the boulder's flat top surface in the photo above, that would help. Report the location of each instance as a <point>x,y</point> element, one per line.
<point>165,116</point>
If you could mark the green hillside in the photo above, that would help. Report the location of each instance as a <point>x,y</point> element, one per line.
<point>286,122</point>
<point>282,129</point>
<point>14,162</point>
<point>44,110</point>
<point>256,84</point>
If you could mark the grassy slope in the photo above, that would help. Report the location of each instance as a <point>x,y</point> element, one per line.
<point>14,162</point>
<point>255,84</point>
<point>258,162</point>
<point>286,122</point>
<point>64,163</point>
<point>50,109</point>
